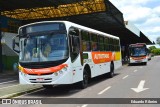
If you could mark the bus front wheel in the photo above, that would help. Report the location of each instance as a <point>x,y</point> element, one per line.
<point>145,63</point>
<point>84,83</point>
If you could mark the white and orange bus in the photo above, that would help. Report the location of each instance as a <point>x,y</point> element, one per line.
<point>138,53</point>
<point>62,52</point>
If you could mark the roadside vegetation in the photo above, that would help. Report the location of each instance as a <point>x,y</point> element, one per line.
<point>154,50</point>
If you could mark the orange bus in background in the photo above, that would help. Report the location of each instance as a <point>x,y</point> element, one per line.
<point>138,53</point>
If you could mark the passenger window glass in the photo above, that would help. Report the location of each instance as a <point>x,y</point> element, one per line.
<point>94,42</point>
<point>86,41</point>
<point>94,46</point>
<point>101,43</point>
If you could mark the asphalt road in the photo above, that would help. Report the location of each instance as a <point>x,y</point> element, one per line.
<point>143,79</point>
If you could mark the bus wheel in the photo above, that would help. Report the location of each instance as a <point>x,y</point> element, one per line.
<point>145,63</point>
<point>84,82</point>
<point>111,73</point>
<point>47,86</point>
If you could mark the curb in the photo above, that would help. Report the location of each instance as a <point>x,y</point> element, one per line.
<point>20,93</point>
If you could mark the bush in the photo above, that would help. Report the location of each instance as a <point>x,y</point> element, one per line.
<point>152,47</point>
<point>155,51</point>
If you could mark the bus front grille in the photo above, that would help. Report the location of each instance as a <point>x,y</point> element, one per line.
<point>45,80</point>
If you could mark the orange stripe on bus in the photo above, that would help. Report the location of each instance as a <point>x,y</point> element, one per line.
<point>43,70</point>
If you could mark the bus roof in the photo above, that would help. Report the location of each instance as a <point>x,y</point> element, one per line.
<point>75,25</point>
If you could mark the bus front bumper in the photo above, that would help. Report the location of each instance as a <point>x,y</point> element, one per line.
<point>51,79</point>
<point>137,61</point>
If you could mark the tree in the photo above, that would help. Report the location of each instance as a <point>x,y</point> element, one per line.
<point>158,40</point>
<point>156,51</point>
<point>152,47</point>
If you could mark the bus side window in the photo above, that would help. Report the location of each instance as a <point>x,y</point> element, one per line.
<point>106,42</point>
<point>101,42</point>
<point>86,45</point>
<point>94,42</point>
<point>74,43</point>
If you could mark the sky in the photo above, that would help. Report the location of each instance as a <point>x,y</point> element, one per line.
<point>144,14</point>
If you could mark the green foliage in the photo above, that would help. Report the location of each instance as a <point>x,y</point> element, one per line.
<point>155,51</point>
<point>151,48</point>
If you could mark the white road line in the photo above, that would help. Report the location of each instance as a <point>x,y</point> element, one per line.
<point>140,67</point>
<point>8,82</point>
<point>125,77</point>
<point>140,87</point>
<point>85,105</point>
<point>104,90</point>
<point>135,71</point>
<point>9,86</point>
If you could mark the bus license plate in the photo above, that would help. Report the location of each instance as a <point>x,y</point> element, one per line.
<point>139,61</point>
<point>40,79</point>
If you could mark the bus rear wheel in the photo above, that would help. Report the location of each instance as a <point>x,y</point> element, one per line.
<point>111,73</point>
<point>84,83</point>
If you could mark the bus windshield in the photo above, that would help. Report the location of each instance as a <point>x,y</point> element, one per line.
<point>138,51</point>
<point>46,47</point>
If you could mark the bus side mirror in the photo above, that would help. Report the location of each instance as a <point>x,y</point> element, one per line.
<point>15,44</point>
<point>72,32</point>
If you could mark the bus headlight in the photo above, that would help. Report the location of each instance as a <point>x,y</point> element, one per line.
<point>61,72</point>
<point>56,73</point>
<point>65,69</point>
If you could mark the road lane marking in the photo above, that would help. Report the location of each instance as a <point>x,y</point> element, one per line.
<point>9,86</point>
<point>104,90</point>
<point>140,67</point>
<point>8,82</point>
<point>125,77</point>
<point>140,87</point>
<point>85,105</point>
<point>135,71</point>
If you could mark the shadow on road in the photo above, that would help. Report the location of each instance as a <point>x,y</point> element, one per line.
<point>137,64</point>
